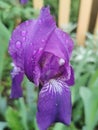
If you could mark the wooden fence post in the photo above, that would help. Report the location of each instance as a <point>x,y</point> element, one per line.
<point>64,12</point>
<point>83,20</point>
<point>38,4</point>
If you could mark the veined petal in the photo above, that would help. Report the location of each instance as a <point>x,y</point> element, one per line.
<point>54,104</point>
<point>17,77</point>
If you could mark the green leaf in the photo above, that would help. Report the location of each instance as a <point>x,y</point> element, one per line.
<point>59,126</point>
<point>93,82</point>
<point>13,119</point>
<point>3,105</point>
<point>23,113</point>
<point>90,107</point>
<point>4,38</point>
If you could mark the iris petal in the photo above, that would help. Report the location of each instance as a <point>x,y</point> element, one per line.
<point>20,37</point>
<point>54,104</point>
<point>41,32</point>
<point>60,44</point>
<point>71,80</point>
<point>49,66</point>
<point>17,77</point>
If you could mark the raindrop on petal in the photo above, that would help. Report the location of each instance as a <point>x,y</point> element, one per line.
<point>66,41</point>
<point>40,21</point>
<point>18,44</point>
<point>23,33</point>
<point>61,61</point>
<point>24,38</point>
<point>56,104</point>
<point>43,40</point>
<point>34,52</point>
<point>40,49</point>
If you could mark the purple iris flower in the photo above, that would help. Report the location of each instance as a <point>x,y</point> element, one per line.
<point>23,1</point>
<point>42,52</point>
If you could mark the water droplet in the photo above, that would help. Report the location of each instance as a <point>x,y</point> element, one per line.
<point>18,44</point>
<point>43,40</point>
<point>61,61</point>
<point>23,33</point>
<point>40,21</point>
<point>40,49</point>
<point>34,52</point>
<point>24,38</point>
<point>66,41</point>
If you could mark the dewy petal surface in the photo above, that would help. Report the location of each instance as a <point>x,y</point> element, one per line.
<point>54,104</point>
<point>21,36</point>
<point>40,35</point>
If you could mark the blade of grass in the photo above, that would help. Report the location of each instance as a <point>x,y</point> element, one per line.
<point>4,38</point>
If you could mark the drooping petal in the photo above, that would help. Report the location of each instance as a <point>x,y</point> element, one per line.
<point>23,1</point>
<point>54,104</point>
<point>17,77</point>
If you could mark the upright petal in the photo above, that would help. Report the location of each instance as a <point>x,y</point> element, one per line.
<point>66,40</point>
<point>60,44</point>
<point>54,104</point>
<point>41,32</point>
<point>28,41</point>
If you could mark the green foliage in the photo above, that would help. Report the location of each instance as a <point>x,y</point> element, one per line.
<point>14,120</point>
<point>90,100</point>
<point>74,10</point>
<point>12,11</point>
<point>4,39</point>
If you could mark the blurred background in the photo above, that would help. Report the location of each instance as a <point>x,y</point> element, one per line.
<point>80,19</point>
